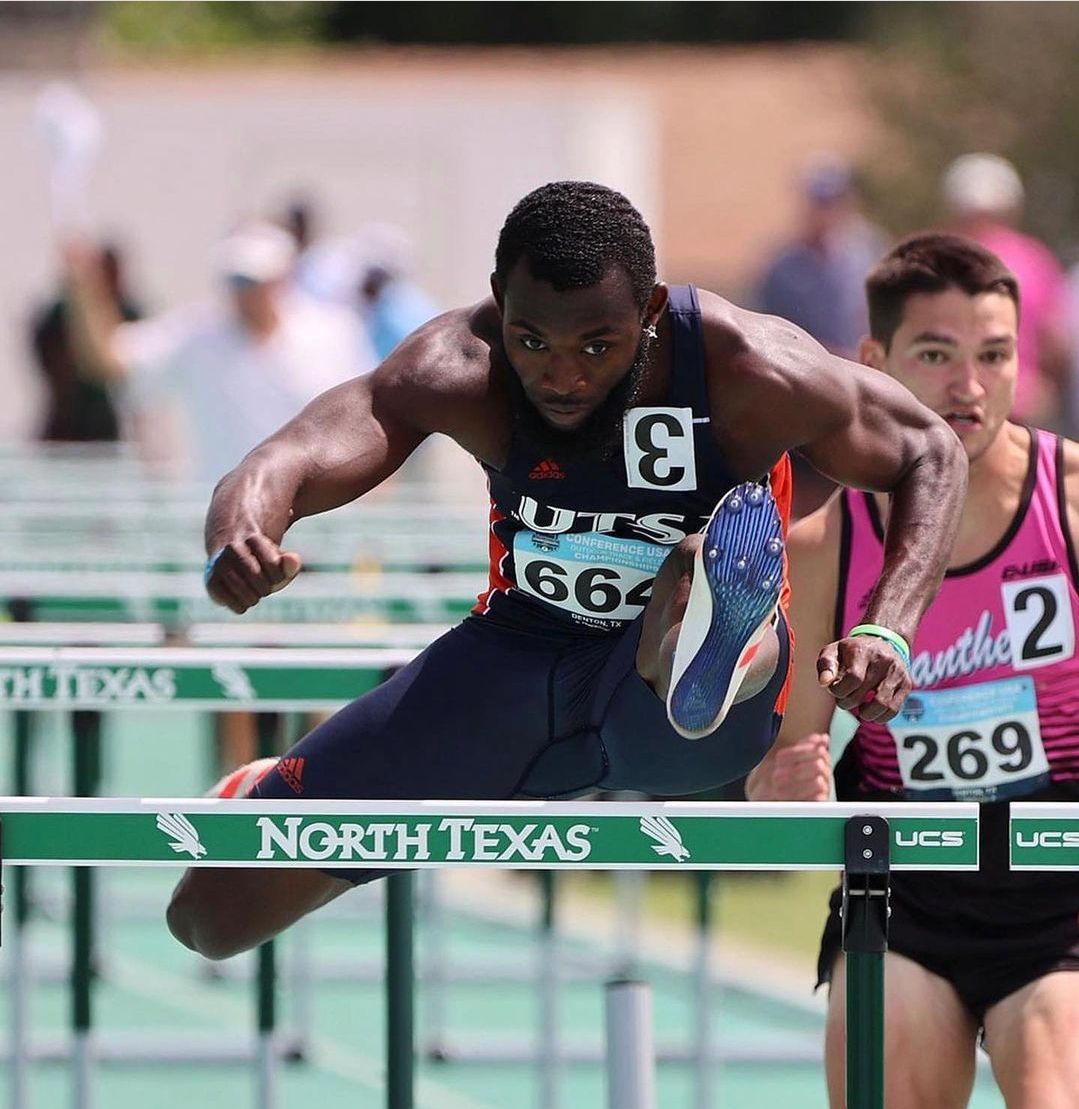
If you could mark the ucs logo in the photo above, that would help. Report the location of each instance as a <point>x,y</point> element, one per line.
<point>930,837</point>
<point>1047,839</point>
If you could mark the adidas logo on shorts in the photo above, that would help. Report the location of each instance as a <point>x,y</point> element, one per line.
<point>291,770</point>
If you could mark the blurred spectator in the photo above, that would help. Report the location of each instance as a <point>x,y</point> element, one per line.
<point>983,198</point>
<point>371,272</point>
<point>816,280</point>
<point>298,220</point>
<point>239,366</point>
<point>78,408</point>
<point>391,302</point>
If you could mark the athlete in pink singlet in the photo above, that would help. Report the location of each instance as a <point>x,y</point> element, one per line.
<point>994,714</point>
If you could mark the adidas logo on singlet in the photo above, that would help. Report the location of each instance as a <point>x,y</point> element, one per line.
<point>546,470</point>
<point>292,771</point>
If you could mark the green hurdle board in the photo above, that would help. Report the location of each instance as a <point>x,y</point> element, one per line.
<point>531,835</point>
<point>1044,836</point>
<point>269,678</point>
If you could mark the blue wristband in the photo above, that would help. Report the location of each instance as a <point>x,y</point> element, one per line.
<point>894,638</point>
<point>211,562</point>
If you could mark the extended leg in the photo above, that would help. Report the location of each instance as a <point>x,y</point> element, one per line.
<point>708,641</point>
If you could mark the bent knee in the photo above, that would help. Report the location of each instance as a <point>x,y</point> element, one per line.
<point>209,919</point>
<point>199,924</point>
<point>220,913</point>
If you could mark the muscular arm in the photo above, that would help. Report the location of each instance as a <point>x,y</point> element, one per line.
<point>774,390</point>
<point>342,445</point>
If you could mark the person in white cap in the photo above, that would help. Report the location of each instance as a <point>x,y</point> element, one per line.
<point>983,196</point>
<point>240,365</point>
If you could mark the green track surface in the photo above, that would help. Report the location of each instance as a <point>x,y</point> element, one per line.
<point>150,985</point>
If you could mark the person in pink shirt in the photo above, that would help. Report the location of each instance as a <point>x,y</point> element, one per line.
<point>983,196</point>
<point>994,711</point>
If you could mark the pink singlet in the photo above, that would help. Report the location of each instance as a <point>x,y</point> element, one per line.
<point>995,710</point>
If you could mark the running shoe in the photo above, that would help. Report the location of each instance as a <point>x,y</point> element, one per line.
<point>241,781</point>
<point>737,578</point>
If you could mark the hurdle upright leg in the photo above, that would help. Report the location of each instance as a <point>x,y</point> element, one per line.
<point>86,731</point>
<point>865,940</point>
<point>19,966</point>
<point>400,991</point>
<point>703,1082</point>
<point>550,984</point>
<point>268,726</point>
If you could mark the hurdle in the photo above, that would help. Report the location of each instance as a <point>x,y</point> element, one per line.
<point>89,680</point>
<point>245,634</point>
<point>866,842</point>
<point>30,547</point>
<point>93,680</point>
<point>180,599</point>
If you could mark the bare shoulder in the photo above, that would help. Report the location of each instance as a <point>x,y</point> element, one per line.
<point>1071,466</point>
<point>449,355</point>
<point>449,376</point>
<point>1071,483</point>
<point>772,387</point>
<point>760,343</point>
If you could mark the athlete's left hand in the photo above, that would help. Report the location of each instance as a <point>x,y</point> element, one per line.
<point>866,676</point>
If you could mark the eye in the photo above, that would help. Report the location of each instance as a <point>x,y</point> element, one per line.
<point>933,357</point>
<point>530,342</point>
<point>995,357</point>
<point>597,348</point>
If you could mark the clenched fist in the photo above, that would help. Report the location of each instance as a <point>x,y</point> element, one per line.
<point>866,676</point>
<point>244,571</point>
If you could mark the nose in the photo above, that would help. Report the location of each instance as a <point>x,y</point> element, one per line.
<point>966,384</point>
<point>562,375</point>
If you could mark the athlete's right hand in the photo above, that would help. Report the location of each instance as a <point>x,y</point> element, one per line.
<point>800,771</point>
<point>242,572</point>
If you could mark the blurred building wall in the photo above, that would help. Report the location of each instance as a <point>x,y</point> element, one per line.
<point>704,141</point>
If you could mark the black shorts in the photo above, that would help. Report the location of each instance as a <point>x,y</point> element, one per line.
<point>490,712</point>
<point>988,934</point>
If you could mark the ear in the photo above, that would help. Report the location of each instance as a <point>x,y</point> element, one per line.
<point>871,353</point>
<point>496,292</point>
<point>657,301</point>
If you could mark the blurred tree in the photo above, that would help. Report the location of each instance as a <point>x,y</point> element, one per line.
<point>949,78</point>
<point>214,24</point>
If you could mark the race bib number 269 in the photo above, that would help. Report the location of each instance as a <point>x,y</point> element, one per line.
<point>971,743</point>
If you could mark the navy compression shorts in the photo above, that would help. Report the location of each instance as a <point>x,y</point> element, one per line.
<point>490,712</point>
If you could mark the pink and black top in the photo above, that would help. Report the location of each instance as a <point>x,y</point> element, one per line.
<point>994,714</point>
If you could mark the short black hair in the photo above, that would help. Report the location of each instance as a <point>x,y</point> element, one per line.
<point>931,262</point>
<point>572,232</point>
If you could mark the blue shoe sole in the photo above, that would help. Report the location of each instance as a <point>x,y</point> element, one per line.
<point>738,576</point>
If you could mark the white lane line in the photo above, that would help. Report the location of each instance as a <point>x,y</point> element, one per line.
<point>330,1055</point>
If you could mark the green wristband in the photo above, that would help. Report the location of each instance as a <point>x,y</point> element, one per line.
<point>894,638</point>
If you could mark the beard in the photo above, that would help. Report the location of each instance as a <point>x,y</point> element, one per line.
<point>600,435</point>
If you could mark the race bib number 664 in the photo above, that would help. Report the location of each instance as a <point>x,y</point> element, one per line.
<point>593,576</point>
